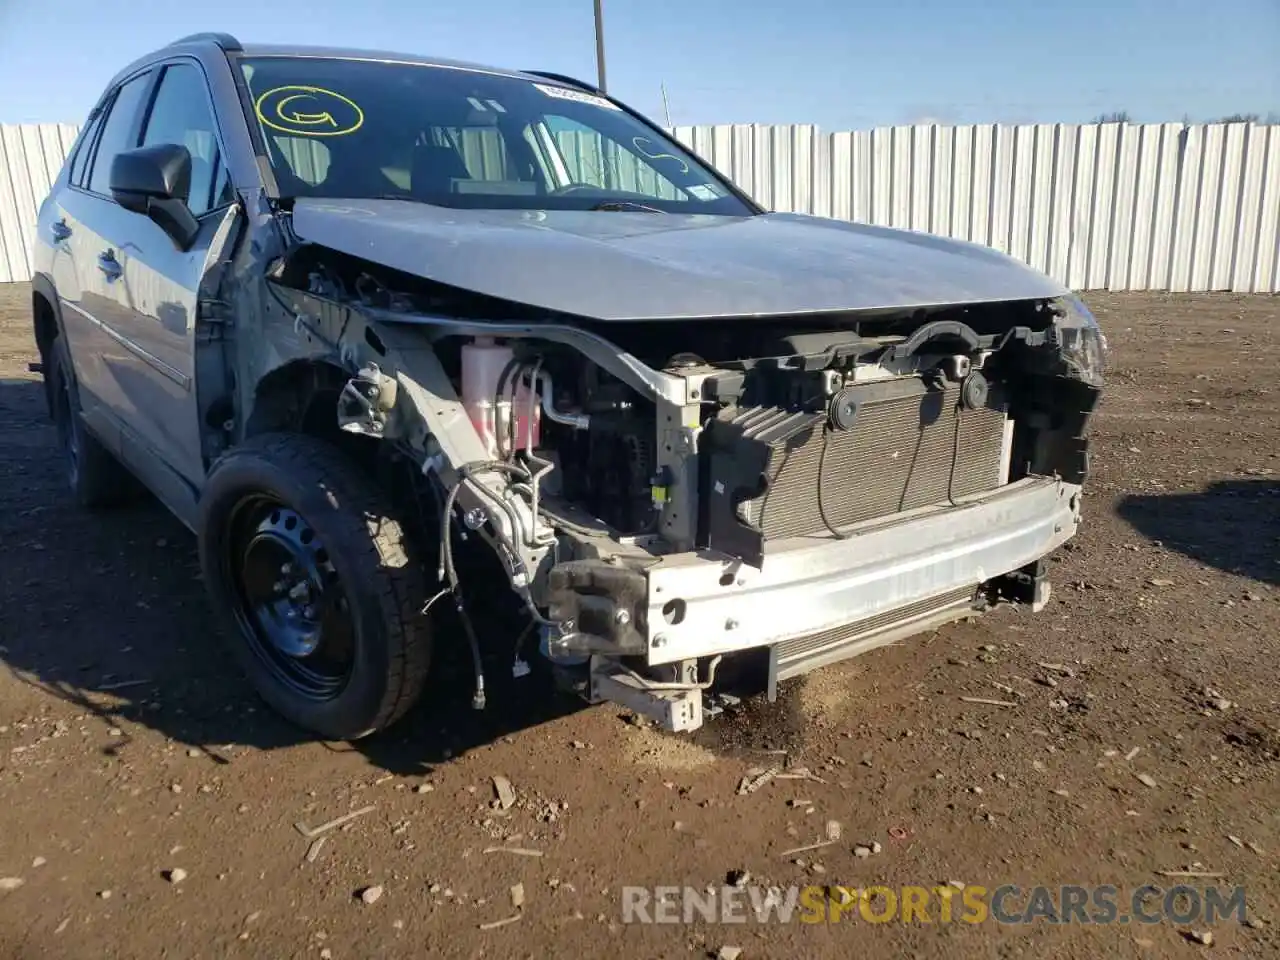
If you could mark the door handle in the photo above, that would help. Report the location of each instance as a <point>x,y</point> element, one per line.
<point>108,264</point>
<point>60,231</point>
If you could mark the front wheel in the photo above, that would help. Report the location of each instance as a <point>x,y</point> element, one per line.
<point>311,574</point>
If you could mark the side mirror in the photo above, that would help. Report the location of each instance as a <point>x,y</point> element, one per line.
<point>156,181</point>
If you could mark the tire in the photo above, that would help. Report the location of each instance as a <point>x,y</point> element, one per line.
<point>96,478</point>
<point>348,655</point>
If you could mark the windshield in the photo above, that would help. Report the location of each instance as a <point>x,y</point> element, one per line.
<point>362,129</point>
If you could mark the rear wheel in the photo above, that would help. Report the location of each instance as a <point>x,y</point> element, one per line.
<point>312,576</point>
<point>95,477</point>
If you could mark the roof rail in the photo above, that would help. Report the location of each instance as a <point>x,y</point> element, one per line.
<point>572,81</point>
<point>224,40</point>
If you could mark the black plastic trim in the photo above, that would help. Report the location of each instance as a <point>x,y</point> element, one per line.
<point>932,331</point>
<point>225,41</point>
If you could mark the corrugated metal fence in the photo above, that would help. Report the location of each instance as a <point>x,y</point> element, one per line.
<point>30,157</point>
<point>1109,206</point>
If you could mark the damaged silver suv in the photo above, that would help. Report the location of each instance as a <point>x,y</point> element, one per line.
<point>385,330</point>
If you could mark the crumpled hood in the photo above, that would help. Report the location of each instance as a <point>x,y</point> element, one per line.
<point>644,266</point>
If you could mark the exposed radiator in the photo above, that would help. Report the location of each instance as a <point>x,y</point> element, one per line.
<point>908,447</point>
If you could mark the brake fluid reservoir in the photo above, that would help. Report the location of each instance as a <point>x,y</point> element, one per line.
<point>483,361</point>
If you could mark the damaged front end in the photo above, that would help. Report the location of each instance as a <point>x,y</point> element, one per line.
<point>662,493</point>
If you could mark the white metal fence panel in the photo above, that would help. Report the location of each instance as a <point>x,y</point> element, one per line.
<point>1106,206</point>
<point>1267,267</point>
<point>30,157</point>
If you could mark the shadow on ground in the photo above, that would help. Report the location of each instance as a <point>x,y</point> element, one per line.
<point>106,610</point>
<point>1234,525</point>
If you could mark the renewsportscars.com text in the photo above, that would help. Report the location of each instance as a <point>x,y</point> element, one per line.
<point>972,904</point>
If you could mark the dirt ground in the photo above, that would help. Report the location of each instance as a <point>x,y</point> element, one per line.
<point>129,746</point>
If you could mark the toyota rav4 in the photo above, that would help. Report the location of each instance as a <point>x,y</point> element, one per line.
<point>353,316</point>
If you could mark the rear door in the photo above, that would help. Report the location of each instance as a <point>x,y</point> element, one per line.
<point>157,317</point>
<point>55,233</point>
<point>87,224</point>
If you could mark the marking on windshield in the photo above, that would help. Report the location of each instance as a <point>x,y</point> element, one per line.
<point>578,96</point>
<point>638,143</point>
<point>309,111</point>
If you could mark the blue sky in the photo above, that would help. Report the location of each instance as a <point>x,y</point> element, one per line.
<point>843,64</point>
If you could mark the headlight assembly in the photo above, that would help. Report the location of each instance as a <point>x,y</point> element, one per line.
<point>1081,341</point>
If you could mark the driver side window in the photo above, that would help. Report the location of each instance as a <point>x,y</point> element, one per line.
<point>118,131</point>
<point>181,114</point>
<point>601,161</point>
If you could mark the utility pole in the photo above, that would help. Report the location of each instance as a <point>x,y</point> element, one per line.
<point>666,107</point>
<point>600,44</point>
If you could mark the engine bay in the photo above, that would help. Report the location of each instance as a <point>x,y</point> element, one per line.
<point>594,452</point>
<point>784,444</point>
<point>709,434</point>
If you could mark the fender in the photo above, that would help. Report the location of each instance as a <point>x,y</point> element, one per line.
<point>42,284</point>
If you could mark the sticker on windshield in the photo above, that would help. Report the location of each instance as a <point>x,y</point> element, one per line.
<point>309,111</point>
<point>703,191</point>
<point>579,96</point>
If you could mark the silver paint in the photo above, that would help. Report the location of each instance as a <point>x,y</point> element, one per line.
<point>643,266</point>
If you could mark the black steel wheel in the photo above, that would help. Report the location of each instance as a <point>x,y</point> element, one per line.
<point>311,574</point>
<point>289,600</point>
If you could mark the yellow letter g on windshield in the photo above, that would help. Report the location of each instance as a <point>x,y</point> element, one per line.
<point>309,112</point>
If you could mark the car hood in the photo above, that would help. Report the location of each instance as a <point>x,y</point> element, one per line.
<point>620,266</point>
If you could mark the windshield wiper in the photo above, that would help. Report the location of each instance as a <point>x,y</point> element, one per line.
<point>626,205</point>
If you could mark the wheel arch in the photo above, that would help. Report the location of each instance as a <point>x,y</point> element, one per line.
<point>46,326</point>
<point>301,396</point>
<point>290,398</point>
<point>46,318</point>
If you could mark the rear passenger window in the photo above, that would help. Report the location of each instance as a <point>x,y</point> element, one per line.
<point>117,133</point>
<point>85,151</point>
<point>181,114</point>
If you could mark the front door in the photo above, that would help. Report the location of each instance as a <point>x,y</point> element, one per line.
<point>146,291</point>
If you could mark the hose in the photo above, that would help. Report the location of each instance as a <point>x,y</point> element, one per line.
<point>578,421</point>
<point>512,367</point>
<point>955,455</point>
<point>465,472</point>
<point>659,686</point>
<point>449,570</point>
<point>477,697</point>
<point>822,512</point>
<point>455,587</point>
